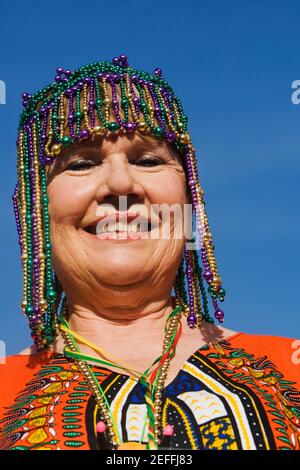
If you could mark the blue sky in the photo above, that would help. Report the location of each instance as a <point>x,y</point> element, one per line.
<point>232,63</point>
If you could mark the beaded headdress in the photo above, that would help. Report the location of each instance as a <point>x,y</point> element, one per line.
<point>94,100</point>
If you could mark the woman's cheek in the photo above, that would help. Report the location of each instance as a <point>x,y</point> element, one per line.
<point>68,199</point>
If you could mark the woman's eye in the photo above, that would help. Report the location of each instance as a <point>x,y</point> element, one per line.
<point>148,161</point>
<point>81,165</point>
<point>84,164</point>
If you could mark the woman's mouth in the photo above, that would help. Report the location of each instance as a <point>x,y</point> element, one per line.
<point>120,230</point>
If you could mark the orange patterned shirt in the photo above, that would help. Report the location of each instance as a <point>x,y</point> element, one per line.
<point>238,393</point>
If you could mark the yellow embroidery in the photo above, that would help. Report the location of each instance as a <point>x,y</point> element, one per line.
<point>37,436</point>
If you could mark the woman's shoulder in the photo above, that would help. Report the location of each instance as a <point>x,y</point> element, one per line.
<point>16,371</point>
<point>283,352</point>
<point>268,342</point>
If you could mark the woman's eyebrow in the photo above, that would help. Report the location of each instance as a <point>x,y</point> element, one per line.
<point>98,151</point>
<point>132,146</point>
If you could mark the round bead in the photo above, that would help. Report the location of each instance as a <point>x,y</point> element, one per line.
<point>100,426</point>
<point>168,431</point>
<point>52,294</point>
<point>182,138</point>
<point>158,131</point>
<point>219,315</point>
<point>56,149</point>
<point>208,275</point>
<point>29,310</point>
<point>216,280</point>
<point>170,136</point>
<point>158,72</point>
<point>66,141</point>
<point>142,126</point>
<point>113,126</point>
<point>84,134</point>
<point>130,126</point>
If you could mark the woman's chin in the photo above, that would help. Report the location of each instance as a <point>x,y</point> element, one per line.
<point>118,274</point>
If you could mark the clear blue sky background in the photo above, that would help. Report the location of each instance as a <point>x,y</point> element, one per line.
<point>232,63</point>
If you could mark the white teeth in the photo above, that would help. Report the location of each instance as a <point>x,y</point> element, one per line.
<point>122,227</point>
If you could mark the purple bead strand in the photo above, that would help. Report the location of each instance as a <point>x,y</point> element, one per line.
<point>35,283</point>
<point>45,112</point>
<point>207,274</point>
<point>71,113</point>
<point>92,104</point>
<point>116,104</point>
<point>157,108</point>
<point>191,320</point>
<point>17,217</point>
<point>135,98</point>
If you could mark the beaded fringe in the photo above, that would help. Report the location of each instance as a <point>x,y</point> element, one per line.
<point>98,99</point>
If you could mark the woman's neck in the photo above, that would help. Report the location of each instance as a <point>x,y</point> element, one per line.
<point>119,333</point>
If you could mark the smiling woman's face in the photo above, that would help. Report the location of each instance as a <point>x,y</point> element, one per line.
<point>97,172</point>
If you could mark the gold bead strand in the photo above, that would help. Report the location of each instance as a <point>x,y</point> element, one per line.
<point>207,236</point>
<point>130,98</point>
<point>197,292</point>
<point>40,232</point>
<point>106,100</point>
<point>23,219</point>
<point>150,106</point>
<point>49,133</point>
<point>167,110</point>
<point>93,386</point>
<point>178,131</point>
<point>162,377</point>
<point>61,115</point>
<point>85,108</point>
<point>183,137</point>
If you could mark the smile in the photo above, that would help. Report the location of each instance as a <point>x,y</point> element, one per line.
<point>121,229</point>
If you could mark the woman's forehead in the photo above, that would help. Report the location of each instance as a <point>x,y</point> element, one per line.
<point>118,141</point>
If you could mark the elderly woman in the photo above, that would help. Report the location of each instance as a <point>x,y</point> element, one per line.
<point>125,354</point>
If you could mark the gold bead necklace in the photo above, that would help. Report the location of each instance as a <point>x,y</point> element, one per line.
<point>154,393</point>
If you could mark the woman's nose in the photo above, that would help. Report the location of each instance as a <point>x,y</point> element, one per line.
<point>120,178</point>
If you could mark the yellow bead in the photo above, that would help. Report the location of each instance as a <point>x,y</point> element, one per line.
<point>142,126</point>
<point>43,303</point>
<point>56,149</point>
